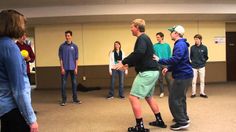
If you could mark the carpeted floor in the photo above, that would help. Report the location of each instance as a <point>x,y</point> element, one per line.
<point>97,114</point>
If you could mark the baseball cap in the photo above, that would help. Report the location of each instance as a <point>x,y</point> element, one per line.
<point>178,28</point>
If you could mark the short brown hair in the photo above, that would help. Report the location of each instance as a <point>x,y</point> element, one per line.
<point>198,36</point>
<point>12,23</point>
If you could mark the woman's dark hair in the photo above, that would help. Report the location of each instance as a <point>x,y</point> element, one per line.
<point>12,23</point>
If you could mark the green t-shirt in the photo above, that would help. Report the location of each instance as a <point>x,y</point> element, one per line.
<point>163,50</point>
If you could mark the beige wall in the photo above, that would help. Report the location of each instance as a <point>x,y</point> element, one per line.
<point>95,40</point>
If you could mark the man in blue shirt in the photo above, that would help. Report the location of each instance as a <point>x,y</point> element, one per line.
<point>182,74</point>
<point>68,55</point>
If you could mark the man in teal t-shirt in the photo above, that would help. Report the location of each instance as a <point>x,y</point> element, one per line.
<point>163,51</point>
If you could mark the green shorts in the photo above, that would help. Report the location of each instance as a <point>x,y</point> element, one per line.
<point>144,84</point>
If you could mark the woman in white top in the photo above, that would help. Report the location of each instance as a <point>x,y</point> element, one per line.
<point>116,56</point>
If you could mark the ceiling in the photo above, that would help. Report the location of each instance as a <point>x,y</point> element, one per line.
<point>65,15</point>
<point>42,3</point>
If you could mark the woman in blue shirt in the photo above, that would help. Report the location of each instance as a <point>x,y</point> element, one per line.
<point>16,112</point>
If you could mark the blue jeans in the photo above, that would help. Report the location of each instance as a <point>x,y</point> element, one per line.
<point>121,82</point>
<point>63,84</point>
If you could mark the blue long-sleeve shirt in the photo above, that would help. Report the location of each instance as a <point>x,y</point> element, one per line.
<point>179,63</point>
<point>14,83</point>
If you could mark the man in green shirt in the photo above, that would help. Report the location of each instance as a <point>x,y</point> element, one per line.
<point>163,51</point>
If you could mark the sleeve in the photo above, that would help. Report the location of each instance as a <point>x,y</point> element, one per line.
<point>206,54</point>
<point>19,83</point>
<point>111,61</point>
<point>60,52</point>
<point>191,53</point>
<point>177,56</point>
<point>76,52</point>
<point>137,54</point>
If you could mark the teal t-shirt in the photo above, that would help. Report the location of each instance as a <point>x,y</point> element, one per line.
<point>163,50</point>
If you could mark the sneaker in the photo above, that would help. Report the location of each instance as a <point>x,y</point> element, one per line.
<point>203,95</point>
<point>158,124</point>
<point>193,96</point>
<point>110,97</point>
<point>122,97</point>
<point>77,101</point>
<point>178,126</point>
<point>161,95</point>
<point>188,121</point>
<point>137,129</point>
<point>63,103</point>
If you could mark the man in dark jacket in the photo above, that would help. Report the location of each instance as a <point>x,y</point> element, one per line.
<point>147,74</point>
<point>182,74</point>
<point>198,56</point>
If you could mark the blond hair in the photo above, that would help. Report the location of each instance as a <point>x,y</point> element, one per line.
<point>140,24</point>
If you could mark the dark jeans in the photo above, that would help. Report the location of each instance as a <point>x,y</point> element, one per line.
<point>177,99</point>
<point>121,82</point>
<point>161,80</point>
<point>63,84</point>
<point>13,121</point>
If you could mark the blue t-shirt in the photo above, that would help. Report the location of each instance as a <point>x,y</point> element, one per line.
<point>68,53</point>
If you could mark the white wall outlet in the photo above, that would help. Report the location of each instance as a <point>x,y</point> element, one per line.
<point>84,78</point>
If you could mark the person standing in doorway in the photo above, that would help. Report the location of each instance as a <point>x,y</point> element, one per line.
<point>182,74</point>
<point>68,56</point>
<point>116,56</point>
<point>198,56</point>
<point>163,51</point>
<point>16,111</point>
<point>147,74</point>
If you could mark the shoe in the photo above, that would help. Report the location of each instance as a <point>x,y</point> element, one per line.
<point>122,97</point>
<point>137,129</point>
<point>158,124</point>
<point>178,126</point>
<point>110,97</point>
<point>188,121</point>
<point>161,95</point>
<point>193,96</point>
<point>77,101</point>
<point>35,112</point>
<point>63,103</point>
<point>203,95</point>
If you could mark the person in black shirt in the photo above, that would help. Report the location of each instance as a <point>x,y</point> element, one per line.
<point>147,74</point>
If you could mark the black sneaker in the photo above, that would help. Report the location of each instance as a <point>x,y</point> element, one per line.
<point>188,121</point>
<point>110,97</point>
<point>122,97</point>
<point>160,124</point>
<point>178,126</point>
<point>193,96</point>
<point>77,101</point>
<point>203,95</point>
<point>137,129</point>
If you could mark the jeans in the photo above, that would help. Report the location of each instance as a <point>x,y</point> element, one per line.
<point>177,99</point>
<point>74,85</point>
<point>161,79</point>
<point>121,82</point>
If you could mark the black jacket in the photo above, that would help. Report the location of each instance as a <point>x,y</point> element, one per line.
<point>142,56</point>
<point>198,56</point>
